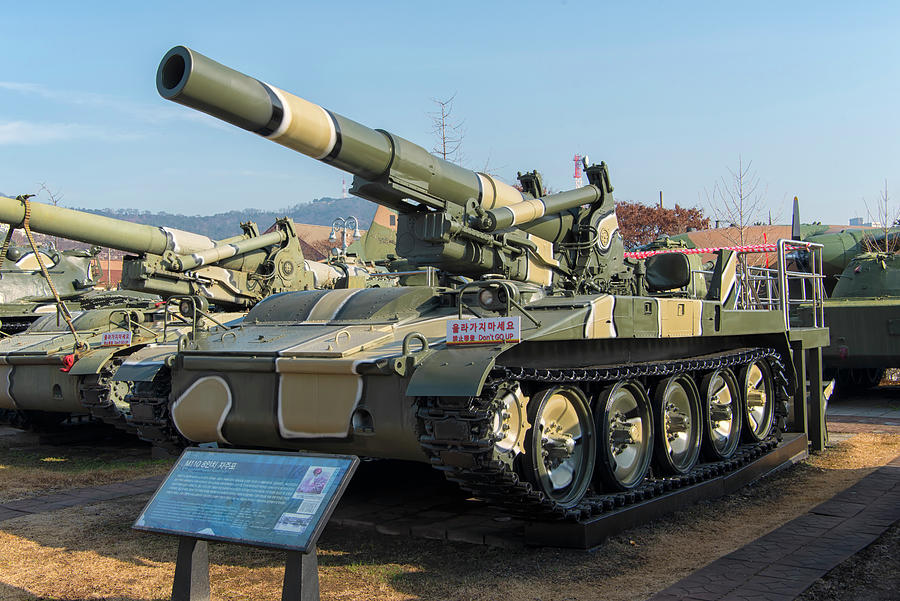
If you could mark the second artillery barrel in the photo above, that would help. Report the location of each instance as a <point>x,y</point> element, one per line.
<point>100,230</point>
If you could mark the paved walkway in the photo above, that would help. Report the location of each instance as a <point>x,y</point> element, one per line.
<point>782,564</point>
<point>881,406</point>
<point>78,496</point>
<point>869,413</point>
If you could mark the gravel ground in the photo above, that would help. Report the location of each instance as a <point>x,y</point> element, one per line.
<point>90,552</point>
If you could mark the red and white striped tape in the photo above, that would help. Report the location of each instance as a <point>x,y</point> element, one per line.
<point>751,248</point>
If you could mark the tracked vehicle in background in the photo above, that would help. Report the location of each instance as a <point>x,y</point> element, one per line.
<point>25,293</point>
<point>862,308</point>
<point>175,285</point>
<point>541,370</point>
<point>863,316</point>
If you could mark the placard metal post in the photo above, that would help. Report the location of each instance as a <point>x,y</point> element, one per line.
<point>191,570</point>
<point>301,577</point>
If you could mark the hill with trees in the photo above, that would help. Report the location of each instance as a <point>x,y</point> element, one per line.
<point>321,211</point>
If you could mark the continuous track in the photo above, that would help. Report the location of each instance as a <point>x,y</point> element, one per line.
<point>457,435</point>
<point>104,398</point>
<point>149,402</point>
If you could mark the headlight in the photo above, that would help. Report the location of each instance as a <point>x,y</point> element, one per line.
<point>186,307</point>
<point>487,298</point>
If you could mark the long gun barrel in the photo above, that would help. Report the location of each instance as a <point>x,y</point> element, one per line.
<point>102,231</point>
<point>228,250</point>
<point>189,78</point>
<point>532,209</point>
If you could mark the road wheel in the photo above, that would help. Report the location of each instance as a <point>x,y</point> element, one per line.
<point>721,414</point>
<point>625,424</point>
<point>759,400</point>
<point>676,416</point>
<point>561,445</point>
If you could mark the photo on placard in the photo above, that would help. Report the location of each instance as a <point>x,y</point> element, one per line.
<point>314,481</point>
<point>293,522</point>
<point>310,505</point>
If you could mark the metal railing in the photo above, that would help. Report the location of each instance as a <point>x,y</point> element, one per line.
<point>812,281</point>
<point>784,287</point>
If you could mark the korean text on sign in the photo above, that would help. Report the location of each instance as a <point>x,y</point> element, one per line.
<point>116,338</point>
<point>484,330</point>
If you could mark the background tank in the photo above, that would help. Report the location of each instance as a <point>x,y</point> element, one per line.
<point>53,367</point>
<point>862,310</point>
<point>542,371</point>
<point>841,249</point>
<point>25,294</point>
<point>863,316</point>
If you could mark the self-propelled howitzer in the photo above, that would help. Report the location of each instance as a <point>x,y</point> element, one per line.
<point>543,370</point>
<point>232,274</point>
<point>175,285</point>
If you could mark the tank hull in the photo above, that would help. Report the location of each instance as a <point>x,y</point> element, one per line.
<point>273,395</point>
<point>374,375</point>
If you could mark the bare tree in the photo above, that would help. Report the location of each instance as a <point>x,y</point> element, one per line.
<point>884,216</point>
<point>738,200</point>
<point>448,132</point>
<point>490,169</point>
<point>55,197</point>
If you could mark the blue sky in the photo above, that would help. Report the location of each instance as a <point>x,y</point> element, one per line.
<point>668,94</point>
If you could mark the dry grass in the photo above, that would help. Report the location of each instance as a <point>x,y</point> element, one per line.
<point>91,553</point>
<point>39,471</point>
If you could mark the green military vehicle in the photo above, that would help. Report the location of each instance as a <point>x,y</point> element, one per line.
<point>862,310</point>
<point>863,316</point>
<point>538,370</point>
<point>26,295</point>
<point>176,285</point>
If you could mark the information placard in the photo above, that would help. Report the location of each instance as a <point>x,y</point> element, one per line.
<point>267,499</point>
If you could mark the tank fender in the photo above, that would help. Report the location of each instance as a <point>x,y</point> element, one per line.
<point>144,364</point>
<point>453,372</point>
<point>93,362</point>
<point>143,371</point>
